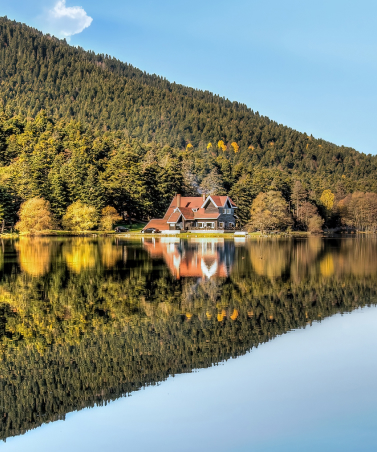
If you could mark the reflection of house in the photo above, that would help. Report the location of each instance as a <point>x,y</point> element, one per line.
<point>200,258</point>
<point>203,213</point>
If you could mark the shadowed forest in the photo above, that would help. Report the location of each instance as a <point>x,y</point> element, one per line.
<point>83,322</point>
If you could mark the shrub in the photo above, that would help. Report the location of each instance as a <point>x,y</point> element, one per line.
<point>109,216</point>
<point>35,215</point>
<point>80,217</point>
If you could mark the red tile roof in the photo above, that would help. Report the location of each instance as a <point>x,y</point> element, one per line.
<point>162,225</point>
<point>187,213</point>
<point>201,214</point>
<point>174,217</point>
<point>221,200</point>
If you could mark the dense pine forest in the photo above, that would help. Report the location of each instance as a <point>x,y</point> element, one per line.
<point>112,320</point>
<point>79,126</point>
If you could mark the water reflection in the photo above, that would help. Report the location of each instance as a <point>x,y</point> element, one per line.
<point>195,258</point>
<point>84,321</point>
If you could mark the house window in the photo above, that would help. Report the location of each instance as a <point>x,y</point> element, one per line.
<point>221,224</point>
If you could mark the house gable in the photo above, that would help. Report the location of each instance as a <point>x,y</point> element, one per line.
<point>210,206</point>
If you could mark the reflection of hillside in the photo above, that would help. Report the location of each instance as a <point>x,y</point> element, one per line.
<point>276,258</point>
<point>94,335</point>
<point>195,258</point>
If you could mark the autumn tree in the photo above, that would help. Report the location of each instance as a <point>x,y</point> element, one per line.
<point>269,211</point>
<point>299,195</point>
<point>327,201</point>
<point>35,215</point>
<point>80,217</point>
<point>109,216</point>
<point>359,211</point>
<point>315,224</point>
<point>235,147</point>
<point>221,145</point>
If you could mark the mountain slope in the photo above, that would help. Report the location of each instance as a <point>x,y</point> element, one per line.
<point>215,142</point>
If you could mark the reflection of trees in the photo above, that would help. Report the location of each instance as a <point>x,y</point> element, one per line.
<point>35,254</point>
<point>94,335</point>
<point>80,254</point>
<point>314,257</point>
<point>110,254</point>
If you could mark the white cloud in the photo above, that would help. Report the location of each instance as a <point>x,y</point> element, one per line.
<point>68,21</point>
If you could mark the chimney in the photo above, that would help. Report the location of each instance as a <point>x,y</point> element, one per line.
<point>204,197</point>
<point>178,200</point>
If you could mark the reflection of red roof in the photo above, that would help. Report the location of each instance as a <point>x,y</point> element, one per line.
<point>195,263</point>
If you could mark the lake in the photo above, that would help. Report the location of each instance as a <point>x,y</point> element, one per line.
<point>166,344</point>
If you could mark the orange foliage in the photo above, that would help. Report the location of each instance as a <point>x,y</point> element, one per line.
<point>234,315</point>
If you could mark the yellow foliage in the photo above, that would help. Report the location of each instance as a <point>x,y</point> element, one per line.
<point>109,216</point>
<point>189,147</point>
<point>35,215</point>
<point>221,315</point>
<point>188,315</point>
<point>80,254</point>
<point>221,145</point>
<point>327,199</point>
<point>80,217</point>
<point>251,147</point>
<point>234,315</point>
<point>235,146</point>
<point>209,146</point>
<point>34,255</point>
<point>110,254</point>
<point>327,266</point>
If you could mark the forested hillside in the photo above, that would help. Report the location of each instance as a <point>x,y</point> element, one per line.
<point>205,143</point>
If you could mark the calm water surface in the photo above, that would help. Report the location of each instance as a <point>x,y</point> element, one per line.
<point>172,345</point>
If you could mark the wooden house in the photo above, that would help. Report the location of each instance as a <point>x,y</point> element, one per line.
<point>200,213</point>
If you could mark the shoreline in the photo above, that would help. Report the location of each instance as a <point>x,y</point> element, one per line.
<point>138,234</point>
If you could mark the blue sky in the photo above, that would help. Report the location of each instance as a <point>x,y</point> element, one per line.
<point>308,64</point>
